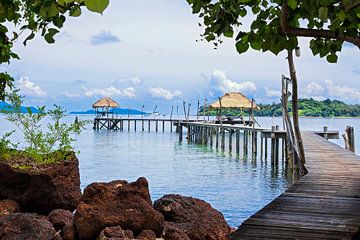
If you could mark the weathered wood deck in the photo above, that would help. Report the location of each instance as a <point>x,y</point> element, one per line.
<point>325,204</point>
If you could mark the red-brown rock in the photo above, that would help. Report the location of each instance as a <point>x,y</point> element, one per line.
<point>146,235</point>
<point>112,233</point>
<point>171,232</point>
<point>8,206</point>
<point>21,226</point>
<point>63,220</point>
<point>45,188</point>
<point>60,217</point>
<point>117,203</point>
<point>194,216</point>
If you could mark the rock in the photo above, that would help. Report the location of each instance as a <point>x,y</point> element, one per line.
<point>30,226</point>
<point>69,232</point>
<point>41,190</point>
<point>8,206</point>
<point>194,216</point>
<point>63,220</point>
<point>117,203</point>
<point>60,217</point>
<point>146,235</point>
<point>112,233</point>
<point>171,232</point>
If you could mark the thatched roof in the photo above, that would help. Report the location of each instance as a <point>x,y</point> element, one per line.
<point>234,100</point>
<point>105,102</point>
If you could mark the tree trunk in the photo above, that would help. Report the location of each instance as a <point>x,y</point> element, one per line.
<point>295,111</point>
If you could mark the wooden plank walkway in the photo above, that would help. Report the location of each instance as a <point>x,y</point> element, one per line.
<point>325,204</point>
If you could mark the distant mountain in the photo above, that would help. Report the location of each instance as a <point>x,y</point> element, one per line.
<point>116,111</point>
<point>7,107</point>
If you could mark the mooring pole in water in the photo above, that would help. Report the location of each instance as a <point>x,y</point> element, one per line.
<point>211,136</point>
<point>156,125</point>
<point>261,146</point>
<point>217,138</point>
<point>237,137</point>
<point>149,125</point>
<point>180,133</point>
<point>135,125</point>
<point>230,140</point>
<point>222,139</point>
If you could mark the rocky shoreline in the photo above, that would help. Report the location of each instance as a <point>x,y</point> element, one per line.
<point>46,203</point>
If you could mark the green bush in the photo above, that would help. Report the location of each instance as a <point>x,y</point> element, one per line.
<point>41,142</point>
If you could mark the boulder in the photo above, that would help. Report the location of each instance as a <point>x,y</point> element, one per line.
<point>116,203</point>
<point>8,206</point>
<point>171,232</point>
<point>60,217</point>
<point>44,187</point>
<point>146,235</point>
<point>112,233</point>
<point>30,226</point>
<point>63,220</point>
<point>194,216</point>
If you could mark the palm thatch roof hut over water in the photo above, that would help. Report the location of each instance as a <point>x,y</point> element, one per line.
<point>105,106</point>
<point>234,100</point>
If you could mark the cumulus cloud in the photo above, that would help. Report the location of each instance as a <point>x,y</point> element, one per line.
<point>163,93</point>
<point>328,89</point>
<point>128,81</point>
<point>30,88</point>
<point>272,92</point>
<point>104,37</point>
<point>110,92</point>
<point>220,82</point>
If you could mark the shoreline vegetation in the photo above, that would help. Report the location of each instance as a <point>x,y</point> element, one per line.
<point>307,108</point>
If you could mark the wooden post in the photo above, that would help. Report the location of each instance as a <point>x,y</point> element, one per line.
<point>217,138</point>
<point>230,140</point>
<point>222,139</point>
<point>149,125</point>
<point>188,133</point>
<point>128,124</point>
<point>180,133</point>
<point>211,136</point>
<point>171,124</point>
<point>237,135</point>
<point>142,124</point>
<point>135,125</point>
<point>349,138</point>
<point>266,147</point>
<point>157,125</point>
<point>163,126</point>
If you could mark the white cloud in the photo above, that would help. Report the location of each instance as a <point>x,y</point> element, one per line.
<point>30,88</point>
<point>130,81</point>
<point>329,90</point>
<point>129,92</point>
<point>70,94</point>
<point>341,92</point>
<point>110,92</point>
<point>163,93</point>
<point>222,83</point>
<point>272,92</point>
<point>313,89</point>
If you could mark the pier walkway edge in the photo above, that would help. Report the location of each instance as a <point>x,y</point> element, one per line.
<point>324,204</point>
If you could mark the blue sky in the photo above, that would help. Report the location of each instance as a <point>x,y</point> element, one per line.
<point>145,52</point>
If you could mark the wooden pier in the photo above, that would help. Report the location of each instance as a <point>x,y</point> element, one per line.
<point>324,204</point>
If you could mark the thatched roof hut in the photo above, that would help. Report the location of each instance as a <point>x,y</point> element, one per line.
<point>234,100</point>
<point>105,102</point>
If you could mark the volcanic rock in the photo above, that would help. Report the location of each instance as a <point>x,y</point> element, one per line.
<point>146,235</point>
<point>194,216</point>
<point>21,226</point>
<point>8,206</point>
<point>116,203</point>
<point>44,188</point>
<point>171,232</point>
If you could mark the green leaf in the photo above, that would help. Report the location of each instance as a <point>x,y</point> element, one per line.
<point>323,13</point>
<point>31,36</point>
<point>242,47</point>
<point>75,11</point>
<point>332,58</point>
<point>96,5</point>
<point>292,4</point>
<point>49,37</point>
<point>256,44</point>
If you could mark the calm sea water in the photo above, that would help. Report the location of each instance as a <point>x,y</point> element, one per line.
<point>235,185</point>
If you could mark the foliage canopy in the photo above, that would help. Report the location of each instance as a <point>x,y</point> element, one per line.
<point>276,24</point>
<point>30,17</point>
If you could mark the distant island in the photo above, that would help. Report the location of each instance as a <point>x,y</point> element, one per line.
<point>116,111</point>
<point>307,107</point>
<point>7,107</point>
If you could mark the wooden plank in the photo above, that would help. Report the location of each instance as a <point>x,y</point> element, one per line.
<point>325,204</point>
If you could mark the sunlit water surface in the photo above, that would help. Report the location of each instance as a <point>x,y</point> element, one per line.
<point>234,185</point>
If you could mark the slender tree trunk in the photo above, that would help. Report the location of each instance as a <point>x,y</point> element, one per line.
<point>295,111</point>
